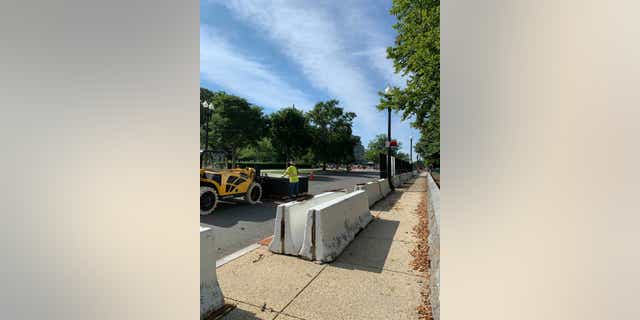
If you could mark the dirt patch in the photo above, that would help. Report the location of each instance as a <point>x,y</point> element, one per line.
<point>421,260</point>
<point>266,241</point>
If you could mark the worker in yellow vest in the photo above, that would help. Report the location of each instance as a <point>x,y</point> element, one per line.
<point>292,172</point>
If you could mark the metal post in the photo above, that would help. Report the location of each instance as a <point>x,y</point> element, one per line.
<point>411,153</point>
<point>389,148</point>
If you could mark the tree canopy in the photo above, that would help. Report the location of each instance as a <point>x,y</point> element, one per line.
<point>332,132</point>
<point>416,55</point>
<point>290,132</point>
<point>234,124</point>
<point>378,146</point>
<point>242,131</point>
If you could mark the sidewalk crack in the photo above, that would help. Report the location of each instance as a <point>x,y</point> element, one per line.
<point>301,290</point>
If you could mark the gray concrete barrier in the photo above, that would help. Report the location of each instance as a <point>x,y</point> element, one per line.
<point>291,218</point>
<point>384,187</point>
<point>373,191</point>
<point>211,298</point>
<point>332,225</point>
<point>433,211</point>
<point>395,180</point>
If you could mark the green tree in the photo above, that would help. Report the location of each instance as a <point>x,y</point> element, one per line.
<point>378,146</point>
<point>263,150</point>
<point>416,55</point>
<point>290,133</point>
<point>235,124</point>
<point>332,133</point>
<point>403,156</point>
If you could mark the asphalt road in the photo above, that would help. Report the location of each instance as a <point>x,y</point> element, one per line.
<point>240,224</point>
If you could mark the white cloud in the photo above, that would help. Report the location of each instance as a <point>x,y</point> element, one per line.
<point>378,59</point>
<point>310,37</point>
<point>223,65</point>
<point>321,38</point>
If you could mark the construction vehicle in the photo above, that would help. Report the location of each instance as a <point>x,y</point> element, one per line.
<point>217,182</point>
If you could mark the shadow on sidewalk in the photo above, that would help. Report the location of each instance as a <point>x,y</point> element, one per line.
<point>370,250</point>
<point>388,202</point>
<point>237,313</point>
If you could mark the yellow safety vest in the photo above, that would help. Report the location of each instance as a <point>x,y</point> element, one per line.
<point>292,172</point>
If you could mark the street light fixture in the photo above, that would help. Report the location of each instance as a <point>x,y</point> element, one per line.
<point>208,109</point>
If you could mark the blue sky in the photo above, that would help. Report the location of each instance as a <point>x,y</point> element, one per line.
<point>279,53</point>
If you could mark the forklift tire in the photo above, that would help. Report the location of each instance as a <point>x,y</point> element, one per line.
<point>208,200</point>
<point>254,193</point>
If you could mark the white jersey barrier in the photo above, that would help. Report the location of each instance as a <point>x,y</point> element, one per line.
<point>373,191</point>
<point>291,218</point>
<point>332,225</point>
<point>384,187</point>
<point>433,211</point>
<point>211,298</point>
<point>396,181</point>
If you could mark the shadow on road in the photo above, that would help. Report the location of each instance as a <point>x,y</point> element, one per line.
<point>227,215</point>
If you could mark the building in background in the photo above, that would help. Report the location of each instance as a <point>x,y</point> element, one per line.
<point>358,153</point>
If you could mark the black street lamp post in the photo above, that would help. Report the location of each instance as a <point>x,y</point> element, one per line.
<point>387,90</point>
<point>208,109</point>
<point>411,152</point>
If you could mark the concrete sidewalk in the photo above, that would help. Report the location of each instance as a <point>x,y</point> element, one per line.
<point>371,279</point>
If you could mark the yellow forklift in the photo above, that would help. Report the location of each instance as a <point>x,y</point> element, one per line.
<point>218,182</point>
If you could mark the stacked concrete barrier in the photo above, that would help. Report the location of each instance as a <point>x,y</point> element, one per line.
<point>384,187</point>
<point>291,218</point>
<point>332,225</point>
<point>211,298</point>
<point>433,211</point>
<point>373,191</point>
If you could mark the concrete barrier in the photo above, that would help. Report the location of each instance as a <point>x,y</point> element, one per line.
<point>291,218</point>
<point>396,181</point>
<point>332,225</point>
<point>211,298</point>
<point>384,187</point>
<point>373,191</point>
<point>433,211</point>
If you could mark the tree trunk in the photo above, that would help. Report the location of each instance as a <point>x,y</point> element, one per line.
<point>324,166</point>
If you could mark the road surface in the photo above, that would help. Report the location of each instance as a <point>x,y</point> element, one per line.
<point>240,224</point>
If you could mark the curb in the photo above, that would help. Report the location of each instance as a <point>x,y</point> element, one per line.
<point>226,259</point>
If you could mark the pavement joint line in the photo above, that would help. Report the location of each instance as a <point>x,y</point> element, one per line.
<point>301,290</point>
<point>230,257</point>
<point>385,269</point>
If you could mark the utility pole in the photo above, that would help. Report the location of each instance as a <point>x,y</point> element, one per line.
<point>411,152</point>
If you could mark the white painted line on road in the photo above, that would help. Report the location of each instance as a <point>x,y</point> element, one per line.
<point>236,255</point>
